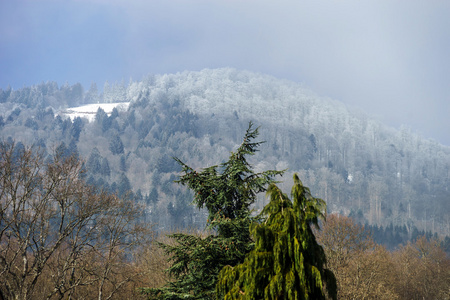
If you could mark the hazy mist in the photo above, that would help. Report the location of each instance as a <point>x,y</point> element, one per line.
<point>387,58</point>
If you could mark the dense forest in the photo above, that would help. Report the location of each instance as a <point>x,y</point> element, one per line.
<point>382,177</point>
<point>64,238</point>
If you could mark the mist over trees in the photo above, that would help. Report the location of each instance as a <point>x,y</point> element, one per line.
<point>360,167</point>
<point>75,207</point>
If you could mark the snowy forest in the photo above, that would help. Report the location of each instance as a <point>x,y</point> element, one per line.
<point>89,196</point>
<point>378,175</point>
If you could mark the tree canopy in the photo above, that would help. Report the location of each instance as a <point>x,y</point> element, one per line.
<point>286,262</point>
<point>59,237</point>
<point>227,191</point>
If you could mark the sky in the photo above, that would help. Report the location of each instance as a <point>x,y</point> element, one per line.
<point>388,58</point>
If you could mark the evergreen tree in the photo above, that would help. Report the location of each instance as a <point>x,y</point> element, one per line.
<point>31,123</point>
<point>73,149</point>
<point>63,150</point>
<point>105,169</point>
<point>123,163</point>
<point>138,197</point>
<point>227,191</point>
<point>76,128</point>
<point>106,123</point>
<point>287,262</point>
<point>92,94</point>
<point>100,116</point>
<point>152,197</point>
<point>93,163</point>
<point>124,187</point>
<point>116,145</point>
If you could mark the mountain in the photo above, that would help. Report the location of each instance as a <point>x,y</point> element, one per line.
<point>362,168</point>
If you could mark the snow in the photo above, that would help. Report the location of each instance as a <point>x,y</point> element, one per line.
<point>88,111</point>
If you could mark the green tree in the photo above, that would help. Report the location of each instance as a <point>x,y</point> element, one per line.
<point>116,145</point>
<point>104,168</point>
<point>227,191</point>
<point>287,262</point>
<point>76,128</point>
<point>124,187</point>
<point>93,163</point>
<point>152,197</point>
<point>31,123</point>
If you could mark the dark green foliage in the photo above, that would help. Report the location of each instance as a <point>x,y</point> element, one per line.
<point>124,186</point>
<point>180,211</point>
<point>94,161</point>
<point>143,128</point>
<point>152,197</point>
<point>131,119</point>
<point>76,128</point>
<point>195,264</point>
<point>123,163</point>
<point>62,150</point>
<point>105,169</point>
<point>42,114</point>
<point>138,197</point>
<point>73,149</point>
<point>14,114</point>
<point>114,114</point>
<point>40,144</point>
<point>287,262</point>
<point>166,164</point>
<point>66,126</point>
<point>31,123</point>
<point>227,191</point>
<point>446,245</point>
<point>101,119</point>
<point>106,123</point>
<point>392,237</point>
<point>116,145</point>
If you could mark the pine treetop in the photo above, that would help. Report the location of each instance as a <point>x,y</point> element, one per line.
<point>227,191</point>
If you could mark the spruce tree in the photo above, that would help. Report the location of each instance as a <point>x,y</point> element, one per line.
<point>227,191</point>
<point>286,262</point>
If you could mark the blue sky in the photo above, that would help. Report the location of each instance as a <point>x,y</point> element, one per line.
<point>389,58</point>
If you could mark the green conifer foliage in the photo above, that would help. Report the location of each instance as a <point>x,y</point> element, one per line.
<point>227,191</point>
<point>286,262</point>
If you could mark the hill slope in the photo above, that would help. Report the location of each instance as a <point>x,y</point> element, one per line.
<point>359,166</point>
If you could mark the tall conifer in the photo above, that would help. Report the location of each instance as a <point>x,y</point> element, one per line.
<point>227,191</point>
<point>286,262</point>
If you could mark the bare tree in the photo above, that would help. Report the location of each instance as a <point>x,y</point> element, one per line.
<point>421,270</point>
<point>58,236</point>
<point>360,266</point>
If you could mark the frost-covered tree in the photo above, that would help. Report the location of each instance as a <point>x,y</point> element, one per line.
<point>94,161</point>
<point>116,145</point>
<point>104,168</point>
<point>92,95</point>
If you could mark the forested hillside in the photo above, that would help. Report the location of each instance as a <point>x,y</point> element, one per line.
<point>376,174</point>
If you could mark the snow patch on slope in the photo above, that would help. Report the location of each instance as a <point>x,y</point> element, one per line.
<point>88,111</point>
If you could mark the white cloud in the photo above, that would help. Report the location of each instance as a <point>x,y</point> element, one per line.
<point>390,58</point>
